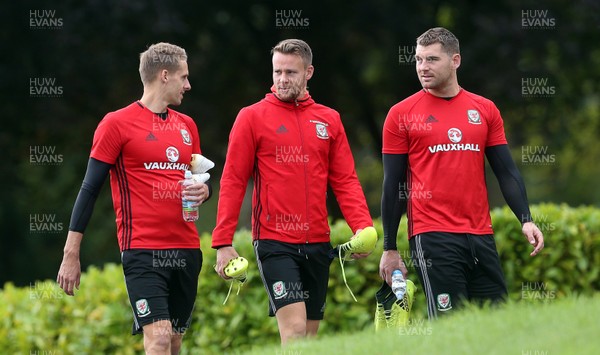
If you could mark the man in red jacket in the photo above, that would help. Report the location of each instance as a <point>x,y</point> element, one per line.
<point>293,148</point>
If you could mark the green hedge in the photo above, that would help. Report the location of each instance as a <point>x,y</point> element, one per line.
<point>98,319</point>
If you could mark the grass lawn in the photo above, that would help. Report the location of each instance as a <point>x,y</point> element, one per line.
<point>566,326</point>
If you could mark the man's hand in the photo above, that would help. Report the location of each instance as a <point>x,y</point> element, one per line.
<point>390,261</point>
<point>224,254</point>
<point>358,255</point>
<point>69,273</point>
<point>197,192</point>
<point>534,236</point>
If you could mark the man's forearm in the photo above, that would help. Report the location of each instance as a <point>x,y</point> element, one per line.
<point>73,244</point>
<point>392,206</point>
<point>510,181</point>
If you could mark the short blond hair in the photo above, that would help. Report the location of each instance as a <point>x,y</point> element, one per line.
<point>297,47</point>
<point>160,56</point>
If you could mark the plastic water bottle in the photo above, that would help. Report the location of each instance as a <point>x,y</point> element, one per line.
<point>190,214</point>
<point>398,284</point>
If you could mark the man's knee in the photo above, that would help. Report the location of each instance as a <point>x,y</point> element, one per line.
<point>296,327</point>
<point>291,320</point>
<point>160,344</point>
<point>157,337</point>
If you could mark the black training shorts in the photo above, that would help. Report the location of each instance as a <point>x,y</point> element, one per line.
<point>294,273</point>
<point>162,285</point>
<point>454,267</point>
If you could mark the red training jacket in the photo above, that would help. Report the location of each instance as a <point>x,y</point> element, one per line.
<point>292,150</point>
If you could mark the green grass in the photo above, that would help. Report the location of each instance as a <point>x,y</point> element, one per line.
<point>566,326</point>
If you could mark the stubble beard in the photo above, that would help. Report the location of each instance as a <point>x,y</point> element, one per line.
<point>294,91</point>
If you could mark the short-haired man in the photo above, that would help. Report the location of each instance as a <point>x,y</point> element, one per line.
<point>293,148</point>
<point>434,143</point>
<point>146,146</point>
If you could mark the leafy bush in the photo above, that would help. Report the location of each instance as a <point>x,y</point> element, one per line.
<point>98,319</point>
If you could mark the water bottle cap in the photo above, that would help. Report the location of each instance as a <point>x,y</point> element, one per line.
<point>396,272</point>
<point>188,174</point>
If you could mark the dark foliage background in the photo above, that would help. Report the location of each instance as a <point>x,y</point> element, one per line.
<point>92,56</point>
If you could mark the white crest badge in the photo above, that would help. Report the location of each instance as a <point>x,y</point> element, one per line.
<point>444,302</point>
<point>473,116</point>
<point>142,307</point>
<point>279,290</point>
<point>322,131</point>
<point>186,137</point>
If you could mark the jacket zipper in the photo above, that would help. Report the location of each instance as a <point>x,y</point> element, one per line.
<point>305,172</point>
